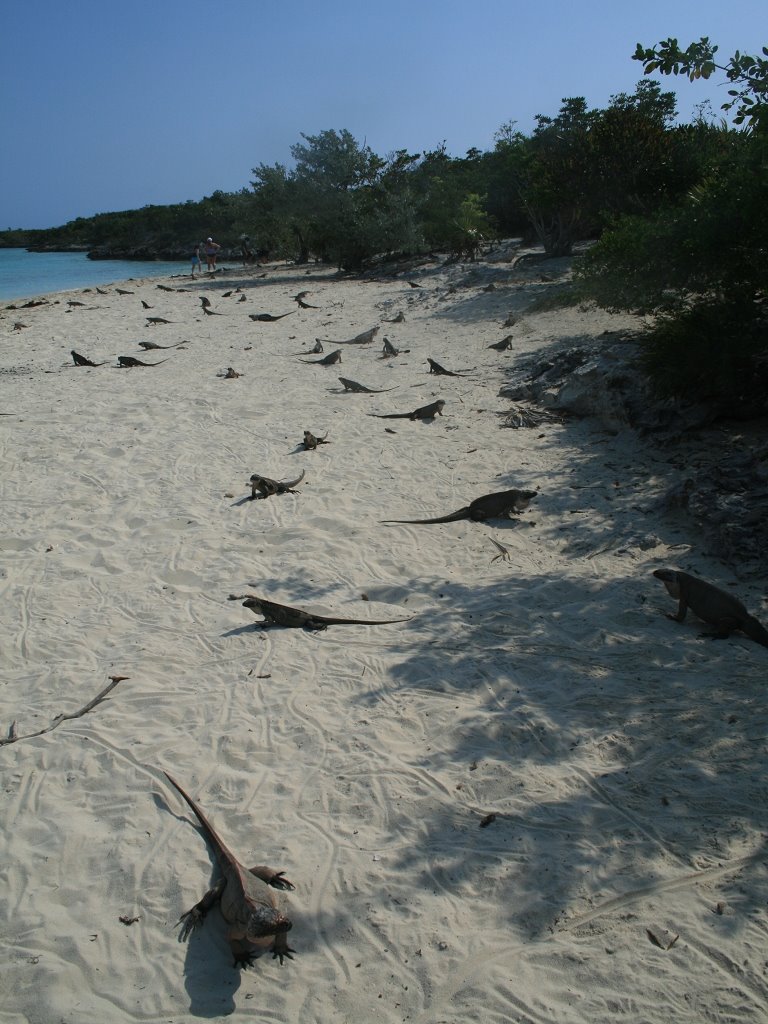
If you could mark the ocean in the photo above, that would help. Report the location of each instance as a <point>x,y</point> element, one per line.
<point>26,274</point>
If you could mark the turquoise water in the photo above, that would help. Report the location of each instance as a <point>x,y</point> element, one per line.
<point>25,274</point>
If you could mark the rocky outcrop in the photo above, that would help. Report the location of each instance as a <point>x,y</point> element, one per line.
<point>725,491</point>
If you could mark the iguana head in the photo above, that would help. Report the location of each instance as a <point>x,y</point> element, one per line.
<point>669,578</point>
<point>524,499</point>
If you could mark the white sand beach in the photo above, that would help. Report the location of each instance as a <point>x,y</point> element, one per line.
<point>623,756</point>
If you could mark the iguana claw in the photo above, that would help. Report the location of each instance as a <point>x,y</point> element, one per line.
<point>278,881</point>
<point>192,919</point>
<point>282,953</point>
<point>244,960</point>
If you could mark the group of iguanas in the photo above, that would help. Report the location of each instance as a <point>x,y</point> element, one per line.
<point>246,896</point>
<point>248,904</point>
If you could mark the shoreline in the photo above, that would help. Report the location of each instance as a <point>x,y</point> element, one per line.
<point>618,753</point>
<point>95,273</point>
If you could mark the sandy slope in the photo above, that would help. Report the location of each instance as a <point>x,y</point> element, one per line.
<point>623,756</point>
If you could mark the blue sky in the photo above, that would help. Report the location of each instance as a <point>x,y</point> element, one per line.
<point>114,105</point>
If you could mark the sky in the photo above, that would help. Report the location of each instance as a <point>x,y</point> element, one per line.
<point>111,105</point>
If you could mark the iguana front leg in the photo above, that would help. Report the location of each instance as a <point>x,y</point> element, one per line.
<point>274,878</point>
<point>281,949</point>
<point>242,951</point>
<point>194,918</point>
<point>682,609</point>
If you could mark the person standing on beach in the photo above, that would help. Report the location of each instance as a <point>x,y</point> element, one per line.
<point>196,261</point>
<point>211,248</point>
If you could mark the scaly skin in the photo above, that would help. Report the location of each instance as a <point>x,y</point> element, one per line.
<point>245,895</point>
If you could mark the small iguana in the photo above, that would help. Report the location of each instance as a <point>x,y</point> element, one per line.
<point>329,360</point>
<point>713,605</point>
<point>388,349</point>
<point>294,618</point>
<point>127,361</point>
<point>245,896</point>
<point>316,350</point>
<point>83,360</point>
<point>268,318</point>
<point>426,412</point>
<point>352,385</point>
<point>436,368</point>
<point>488,506</point>
<point>359,339</point>
<point>267,487</point>
<point>151,345</point>
<point>311,441</point>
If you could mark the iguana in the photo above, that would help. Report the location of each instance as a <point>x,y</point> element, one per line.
<point>268,318</point>
<point>83,360</point>
<point>245,896</point>
<point>352,385</point>
<point>294,618</point>
<point>359,339</point>
<point>151,345</point>
<point>267,487</point>
<point>426,412</point>
<point>388,349</point>
<point>128,361</point>
<point>720,609</point>
<point>311,441</point>
<point>436,368</point>
<point>329,360</point>
<point>488,506</point>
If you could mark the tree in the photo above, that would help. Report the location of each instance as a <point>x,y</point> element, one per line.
<point>278,213</point>
<point>451,206</point>
<point>698,263</point>
<point>582,168</point>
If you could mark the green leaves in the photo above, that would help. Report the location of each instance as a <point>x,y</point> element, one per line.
<point>698,61</point>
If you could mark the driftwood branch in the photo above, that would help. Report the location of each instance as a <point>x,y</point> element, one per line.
<point>13,736</point>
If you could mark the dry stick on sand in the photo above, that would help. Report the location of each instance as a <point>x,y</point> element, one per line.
<point>13,737</point>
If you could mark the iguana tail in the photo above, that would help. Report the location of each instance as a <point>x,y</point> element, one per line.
<point>462,513</point>
<point>755,630</point>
